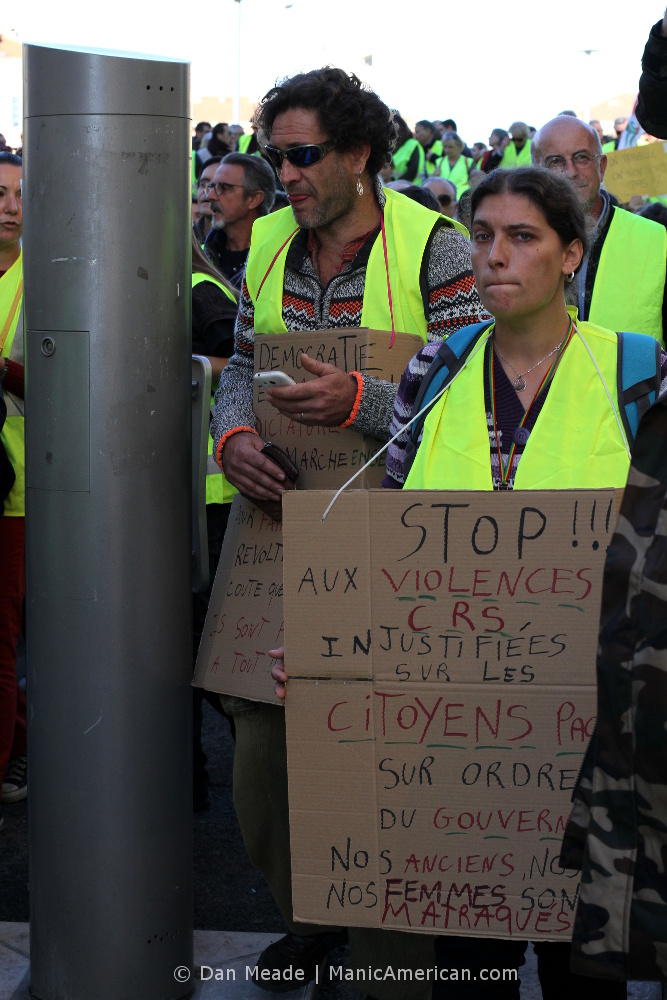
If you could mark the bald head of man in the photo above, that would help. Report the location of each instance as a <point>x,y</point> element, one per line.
<point>570,146</point>
<point>445,192</point>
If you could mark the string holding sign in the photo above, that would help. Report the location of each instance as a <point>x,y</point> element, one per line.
<point>406,427</point>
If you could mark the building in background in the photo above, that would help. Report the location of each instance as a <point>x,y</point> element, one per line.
<point>219,109</point>
<point>615,107</point>
<point>11,89</point>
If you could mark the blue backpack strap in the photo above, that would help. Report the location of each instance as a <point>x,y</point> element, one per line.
<point>452,355</point>
<point>638,378</point>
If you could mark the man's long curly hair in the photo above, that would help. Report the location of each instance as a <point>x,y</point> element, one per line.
<point>349,113</point>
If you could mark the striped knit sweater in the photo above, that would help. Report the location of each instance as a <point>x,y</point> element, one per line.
<point>451,301</point>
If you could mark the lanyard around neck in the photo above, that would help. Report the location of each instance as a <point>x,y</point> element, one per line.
<point>386,265</point>
<point>506,472</point>
<point>11,314</point>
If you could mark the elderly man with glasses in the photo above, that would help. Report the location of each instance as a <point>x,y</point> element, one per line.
<point>242,190</point>
<point>621,283</point>
<point>345,253</point>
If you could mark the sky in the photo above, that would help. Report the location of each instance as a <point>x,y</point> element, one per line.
<point>484,63</point>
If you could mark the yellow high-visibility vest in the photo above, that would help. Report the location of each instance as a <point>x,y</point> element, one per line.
<point>513,159</point>
<point>459,174</point>
<point>630,279</point>
<point>408,227</point>
<point>401,158</point>
<point>13,432</point>
<point>576,442</point>
<point>218,487</point>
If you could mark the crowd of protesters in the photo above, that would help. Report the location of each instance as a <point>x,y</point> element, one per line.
<point>515,244</point>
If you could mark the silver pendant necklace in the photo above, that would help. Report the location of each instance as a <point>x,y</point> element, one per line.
<point>519,383</point>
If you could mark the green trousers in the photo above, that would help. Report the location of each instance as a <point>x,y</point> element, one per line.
<point>260,799</point>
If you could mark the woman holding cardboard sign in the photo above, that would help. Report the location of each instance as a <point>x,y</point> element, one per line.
<point>530,401</point>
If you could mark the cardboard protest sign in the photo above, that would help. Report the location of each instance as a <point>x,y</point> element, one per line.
<point>328,456</point>
<point>638,170</point>
<point>441,654</point>
<point>245,616</point>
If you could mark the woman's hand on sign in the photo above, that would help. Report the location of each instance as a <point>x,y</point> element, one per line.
<point>278,671</point>
<point>327,399</point>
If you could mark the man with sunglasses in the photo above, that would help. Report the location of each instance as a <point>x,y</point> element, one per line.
<point>517,151</point>
<point>242,190</point>
<point>346,253</point>
<point>621,283</point>
<point>445,192</point>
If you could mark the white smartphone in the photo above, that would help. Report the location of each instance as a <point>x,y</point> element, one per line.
<point>268,380</point>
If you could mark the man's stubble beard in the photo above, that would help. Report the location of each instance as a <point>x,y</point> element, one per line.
<point>337,203</point>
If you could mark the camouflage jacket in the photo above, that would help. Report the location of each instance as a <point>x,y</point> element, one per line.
<point>617,834</point>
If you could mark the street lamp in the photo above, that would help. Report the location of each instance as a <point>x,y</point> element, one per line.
<point>236,109</point>
<point>589,77</point>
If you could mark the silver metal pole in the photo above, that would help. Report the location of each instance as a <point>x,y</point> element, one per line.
<point>108,374</point>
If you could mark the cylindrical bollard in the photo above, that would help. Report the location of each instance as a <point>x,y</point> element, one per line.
<point>108,382</point>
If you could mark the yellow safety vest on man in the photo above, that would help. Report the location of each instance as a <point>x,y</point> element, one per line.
<point>576,442</point>
<point>244,142</point>
<point>429,166</point>
<point>218,488</point>
<point>193,173</point>
<point>401,158</point>
<point>13,432</point>
<point>512,158</point>
<point>408,227</point>
<point>630,279</point>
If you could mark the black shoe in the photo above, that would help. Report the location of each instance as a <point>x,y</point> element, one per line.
<point>293,961</point>
<point>15,781</point>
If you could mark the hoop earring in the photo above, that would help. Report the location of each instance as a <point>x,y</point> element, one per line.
<point>569,277</point>
<point>360,186</point>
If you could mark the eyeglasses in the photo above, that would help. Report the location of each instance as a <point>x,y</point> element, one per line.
<point>445,199</point>
<point>580,161</point>
<point>220,188</point>
<point>299,156</point>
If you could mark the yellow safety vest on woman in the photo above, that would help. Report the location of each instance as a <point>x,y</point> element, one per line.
<point>459,174</point>
<point>630,279</point>
<point>13,432</point>
<point>576,442</point>
<point>218,488</point>
<point>408,227</point>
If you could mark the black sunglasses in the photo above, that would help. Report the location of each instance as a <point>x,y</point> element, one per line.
<point>299,156</point>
